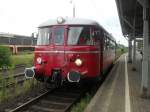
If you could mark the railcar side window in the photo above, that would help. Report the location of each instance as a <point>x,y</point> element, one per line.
<point>73,35</point>
<point>45,36</point>
<point>112,45</point>
<point>80,36</point>
<point>96,35</point>
<point>106,42</point>
<point>85,37</point>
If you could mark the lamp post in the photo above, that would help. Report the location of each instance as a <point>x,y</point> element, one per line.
<point>74,8</point>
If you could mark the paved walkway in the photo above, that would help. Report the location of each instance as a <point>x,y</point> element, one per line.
<point>121,90</point>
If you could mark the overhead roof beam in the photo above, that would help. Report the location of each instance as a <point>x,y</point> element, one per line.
<point>127,22</point>
<point>144,2</point>
<point>141,2</point>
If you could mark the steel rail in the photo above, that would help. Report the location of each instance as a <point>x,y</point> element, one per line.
<point>30,102</point>
<point>61,101</point>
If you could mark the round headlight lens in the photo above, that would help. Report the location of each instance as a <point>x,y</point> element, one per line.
<point>60,20</point>
<point>78,62</point>
<point>39,60</point>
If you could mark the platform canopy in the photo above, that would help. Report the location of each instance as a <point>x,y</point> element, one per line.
<point>131,17</point>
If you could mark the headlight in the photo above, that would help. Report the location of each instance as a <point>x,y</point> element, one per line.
<point>78,62</point>
<point>39,60</point>
<point>60,20</point>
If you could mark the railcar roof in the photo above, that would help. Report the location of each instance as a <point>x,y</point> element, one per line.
<point>73,21</point>
<point>70,21</point>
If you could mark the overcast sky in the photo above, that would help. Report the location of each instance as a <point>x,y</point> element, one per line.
<point>24,16</point>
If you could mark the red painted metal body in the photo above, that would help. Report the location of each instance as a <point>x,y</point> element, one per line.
<point>58,57</point>
<point>95,58</point>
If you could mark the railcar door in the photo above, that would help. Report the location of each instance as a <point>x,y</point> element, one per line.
<point>58,58</point>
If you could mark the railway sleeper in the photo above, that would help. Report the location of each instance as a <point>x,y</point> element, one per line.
<point>36,108</point>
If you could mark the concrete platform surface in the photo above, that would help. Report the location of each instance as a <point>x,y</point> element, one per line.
<point>121,90</point>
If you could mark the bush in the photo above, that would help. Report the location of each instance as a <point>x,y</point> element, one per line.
<point>5,54</point>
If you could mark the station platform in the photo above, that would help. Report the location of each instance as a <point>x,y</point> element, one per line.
<point>120,92</point>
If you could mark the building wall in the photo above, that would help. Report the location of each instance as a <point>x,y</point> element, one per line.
<point>17,40</point>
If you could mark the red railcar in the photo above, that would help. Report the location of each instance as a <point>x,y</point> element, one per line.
<point>71,50</point>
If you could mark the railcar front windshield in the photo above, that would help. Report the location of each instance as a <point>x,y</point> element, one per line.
<point>59,35</point>
<point>77,35</point>
<point>44,36</point>
<point>51,35</point>
<point>80,36</point>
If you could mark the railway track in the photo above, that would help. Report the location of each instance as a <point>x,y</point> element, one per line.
<point>18,79</point>
<point>54,100</point>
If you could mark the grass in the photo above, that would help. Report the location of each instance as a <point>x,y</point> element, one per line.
<point>79,107</point>
<point>27,85</point>
<point>16,90</point>
<point>26,59</point>
<point>120,51</point>
<point>5,94</point>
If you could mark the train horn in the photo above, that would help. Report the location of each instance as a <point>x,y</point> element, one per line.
<point>29,72</point>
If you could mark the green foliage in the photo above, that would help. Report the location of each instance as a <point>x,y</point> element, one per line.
<point>25,52</point>
<point>4,91</point>
<point>5,54</point>
<point>27,85</point>
<point>17,90</point>
<point>26,59</point>
<point>79,107</point>
<point>120,51</point>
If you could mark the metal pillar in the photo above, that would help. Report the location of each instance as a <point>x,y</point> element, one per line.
<point>74,8</point>
<point>74,11</point>
<point>134,54</point>
<point>130,51</point>
<point>145,72</point>
<point>134,50</point>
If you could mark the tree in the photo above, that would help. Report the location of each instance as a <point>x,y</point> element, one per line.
<point>5,54</point>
